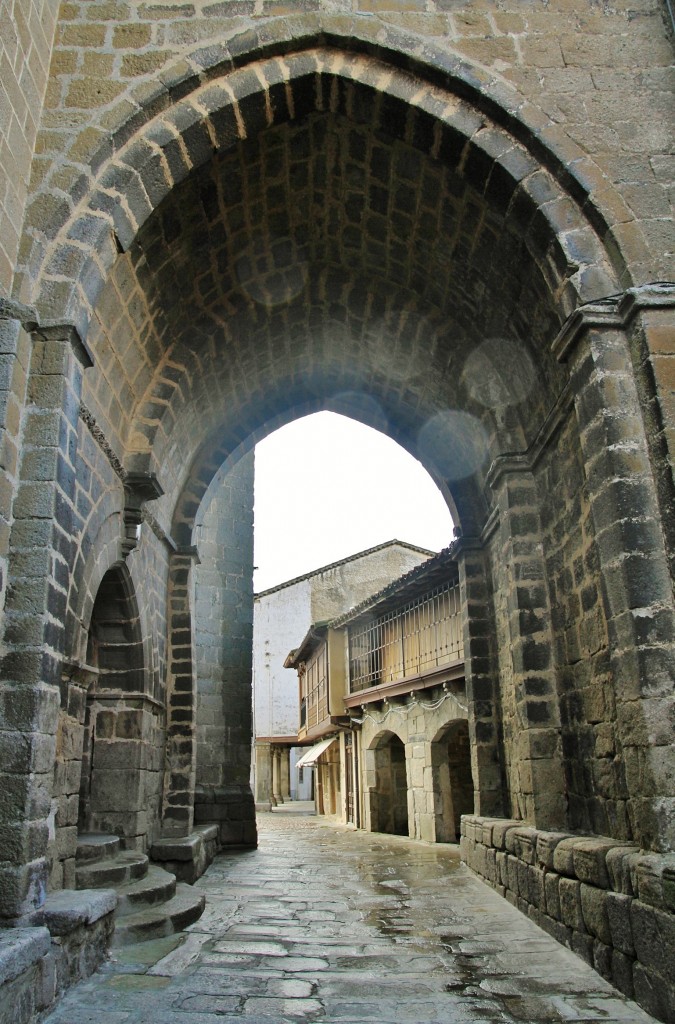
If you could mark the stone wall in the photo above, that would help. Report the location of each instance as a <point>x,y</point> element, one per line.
<point>26,40</point>
<point>553,55</point>
<point>610,903</point>
<point>37,964</point>
<point>223,583</point>
<point>239,213</point>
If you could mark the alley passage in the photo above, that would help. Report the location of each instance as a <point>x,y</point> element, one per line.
<point>325,924</point>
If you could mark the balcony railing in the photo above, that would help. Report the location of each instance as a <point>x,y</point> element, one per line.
<point>422,636</point>
<point>314,691</point>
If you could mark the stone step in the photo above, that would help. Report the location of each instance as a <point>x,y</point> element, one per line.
<point>95,846</point>
<point>157,886</point>
<point>125,866</point>
<point>165,919</point>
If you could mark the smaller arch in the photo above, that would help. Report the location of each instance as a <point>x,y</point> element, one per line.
<point>452,779</point>
<point>389,796</point>
<point>121,727</point>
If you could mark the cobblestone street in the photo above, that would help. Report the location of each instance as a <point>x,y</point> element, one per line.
<point>322,923</point>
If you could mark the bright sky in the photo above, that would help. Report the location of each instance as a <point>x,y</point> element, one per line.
<point>327,487</point>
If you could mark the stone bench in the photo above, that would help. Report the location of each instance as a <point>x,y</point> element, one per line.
<point>37,964</point>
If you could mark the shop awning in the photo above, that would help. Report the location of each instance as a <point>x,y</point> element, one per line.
<point>315,752</point>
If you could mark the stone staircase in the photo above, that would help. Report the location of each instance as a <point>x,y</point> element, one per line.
<point>151,903</point>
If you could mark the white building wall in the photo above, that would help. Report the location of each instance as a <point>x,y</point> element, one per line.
<point>282,616</point>
<point>343,586</point>
<point>280,621</point>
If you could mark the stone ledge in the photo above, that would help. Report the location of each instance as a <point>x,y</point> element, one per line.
<point>184,848</point>
<point>64,911</point>
<point>38,964</point>
<point>187,856</point>
<point>20,948</point>
<point>608,901</point>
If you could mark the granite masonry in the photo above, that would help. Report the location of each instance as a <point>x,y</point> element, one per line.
<point>449,219</point>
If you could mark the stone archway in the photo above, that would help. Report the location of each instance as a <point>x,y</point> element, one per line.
<point>389,796</point>
<point>332,218</point>
<point>452,780</point>
<point>120,781</point>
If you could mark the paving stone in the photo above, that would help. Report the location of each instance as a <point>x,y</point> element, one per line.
<point>449,951</point>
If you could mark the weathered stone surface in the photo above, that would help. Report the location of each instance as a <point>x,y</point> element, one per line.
<point>265,944</point>
<point>20,948</point>
<point>67,909</point>
<point>653,935</point>
<point>233,214</point>
<point>621,863</point>
<point>619,917</point>
<point>570,905</point>
<point>594,910</point>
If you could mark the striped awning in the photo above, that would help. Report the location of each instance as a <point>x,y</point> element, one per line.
<point>315,752</point>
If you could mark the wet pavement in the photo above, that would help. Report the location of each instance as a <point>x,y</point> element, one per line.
<point>322,923</point>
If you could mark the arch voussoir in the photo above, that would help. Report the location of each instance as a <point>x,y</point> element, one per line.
<point>225,93</point>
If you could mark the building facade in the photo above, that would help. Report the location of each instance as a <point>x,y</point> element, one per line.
<point>451,221</point>
<point>282,614</point>
<point>383,697</point>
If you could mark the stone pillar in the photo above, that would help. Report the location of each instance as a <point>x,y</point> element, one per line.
<point>263,776</point>
<point>40,555</point>
<point>180,756</point>
<point>481,674</point>
<point>277,798</point>
<point>637,584</point>
<point>223,630</point>
<point>285,769</point>
<point>537,781</point>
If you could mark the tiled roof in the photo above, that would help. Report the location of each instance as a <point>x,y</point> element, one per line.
<point>343,561</point>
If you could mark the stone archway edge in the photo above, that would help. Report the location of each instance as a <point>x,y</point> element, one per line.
<point>130,167</point>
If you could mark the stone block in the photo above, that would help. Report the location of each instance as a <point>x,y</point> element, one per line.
<point>116,790</point>
<point>602,959</point>
<point>491,870</point>
<point>582,945</point>
<point>186,848</point>
<point>569,890</point>
<point>512,873</point>
<point>23,888</point>
<point>594,910</point>
<point>20,948</point>
<point>649,871</point>
<point>654,938</point>
<point>621,862</point>
<point>502,873</point>
<point>500,830</point>
<point>536,886</point>
<point>589,861</point>
<point>552,894</point>
<point>525,843</point>
<point>668,883</point>
<point>479,863</point>
<point>618,916</point>
<point>546,846</point>
<point>556,929</point>
<point>654,993</point>
<point>66,910</point>
<point>622,973</point>
<point>563,857</point>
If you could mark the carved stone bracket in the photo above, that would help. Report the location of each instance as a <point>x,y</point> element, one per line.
<point>138,488</point>
<point>614,311</point>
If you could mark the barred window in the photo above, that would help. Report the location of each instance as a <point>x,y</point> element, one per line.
<point>423,635</point>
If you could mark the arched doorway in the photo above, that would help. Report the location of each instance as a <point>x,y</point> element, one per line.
<point>355,228</point>
<point>120,780</point>
<point>453,783</point>
<point>389,796</point>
